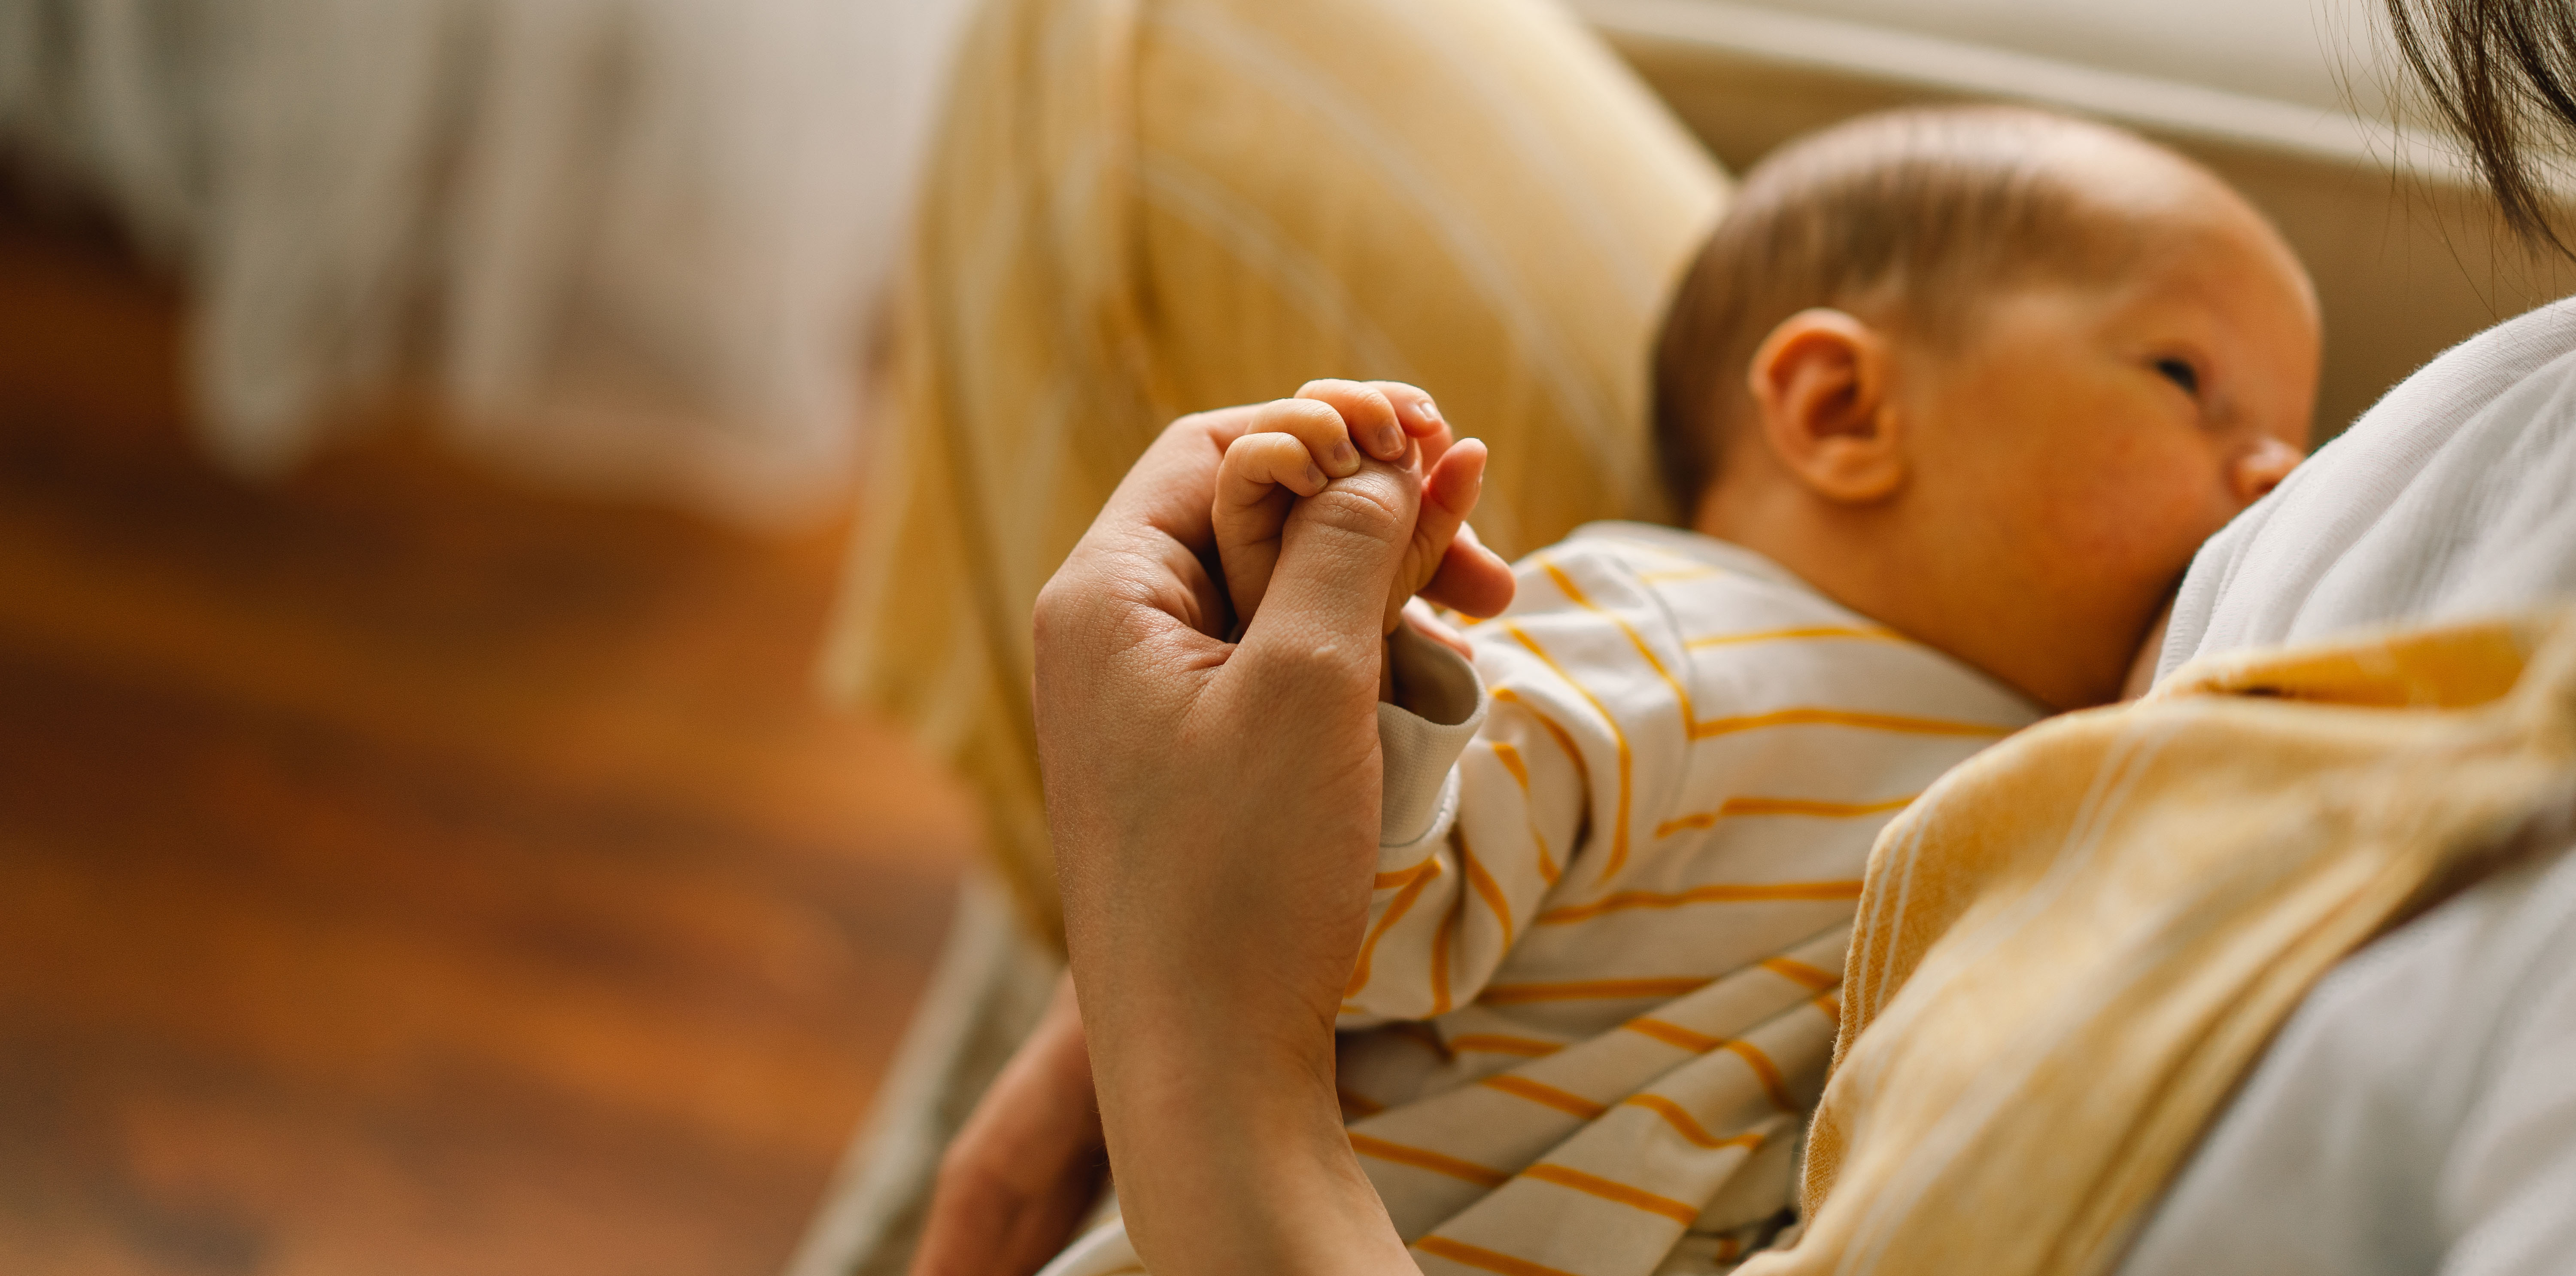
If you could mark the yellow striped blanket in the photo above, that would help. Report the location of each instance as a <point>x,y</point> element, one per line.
<point>2072,949</point>
<point>1137,209</point>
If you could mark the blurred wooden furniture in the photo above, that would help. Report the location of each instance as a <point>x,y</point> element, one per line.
<point>401,872</point>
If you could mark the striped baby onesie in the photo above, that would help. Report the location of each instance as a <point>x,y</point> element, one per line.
<point>1596,996</point>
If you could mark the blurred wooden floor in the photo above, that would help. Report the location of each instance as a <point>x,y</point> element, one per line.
<point>401,872</point>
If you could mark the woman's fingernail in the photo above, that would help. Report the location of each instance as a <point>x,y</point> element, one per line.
<point>1387,440</point>
<point>1343,457</point>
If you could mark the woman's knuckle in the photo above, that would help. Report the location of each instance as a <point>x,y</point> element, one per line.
<point>1058,600</point>
<point>1316,663</point>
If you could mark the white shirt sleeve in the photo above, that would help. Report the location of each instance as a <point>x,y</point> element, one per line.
<point>1420,740</point>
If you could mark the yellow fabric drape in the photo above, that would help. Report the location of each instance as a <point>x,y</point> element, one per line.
<point>2070,951</point>
<point>1137,209</point>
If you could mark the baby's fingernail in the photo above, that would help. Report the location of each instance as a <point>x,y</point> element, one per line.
<point>1315,477</point>
<point>1428,411</point>
<point>1343,457</point>
<point>1386,440</point>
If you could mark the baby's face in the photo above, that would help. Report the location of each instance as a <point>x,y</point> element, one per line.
<point>2087,440</point>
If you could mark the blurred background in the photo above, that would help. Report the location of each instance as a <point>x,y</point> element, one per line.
<point>429,432</point>
<point>425,438</point>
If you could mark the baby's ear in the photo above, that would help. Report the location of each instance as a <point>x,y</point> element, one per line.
<point>1821,396</point>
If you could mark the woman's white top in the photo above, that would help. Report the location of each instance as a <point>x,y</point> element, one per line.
<point>2418,1112</point>
<point>2454,497</point>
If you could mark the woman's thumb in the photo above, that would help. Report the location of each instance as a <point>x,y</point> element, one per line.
<point>1338,558</point>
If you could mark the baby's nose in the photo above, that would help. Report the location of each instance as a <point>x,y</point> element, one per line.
<point>2261,469</point>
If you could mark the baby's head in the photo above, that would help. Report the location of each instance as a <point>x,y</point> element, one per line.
<point>1988,375</point>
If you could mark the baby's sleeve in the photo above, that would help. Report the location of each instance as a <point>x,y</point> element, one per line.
<point>1420,740</point>
<point>1485,795</point>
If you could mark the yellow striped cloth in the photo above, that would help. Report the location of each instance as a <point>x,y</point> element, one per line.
<point>1597,994</point>
<point>2071,950</point>
<point>1141,208</point>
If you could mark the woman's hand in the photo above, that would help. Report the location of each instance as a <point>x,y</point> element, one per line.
<point>1214,809</point>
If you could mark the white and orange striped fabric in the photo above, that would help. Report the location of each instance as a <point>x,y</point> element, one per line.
<point>1597,994</point>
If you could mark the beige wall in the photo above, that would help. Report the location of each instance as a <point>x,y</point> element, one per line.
<point>2404,267</point>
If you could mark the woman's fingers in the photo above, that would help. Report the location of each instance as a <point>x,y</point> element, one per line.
<point>1371,416</point>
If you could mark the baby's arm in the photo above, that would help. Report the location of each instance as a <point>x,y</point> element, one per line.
<point>1298,445</point>
<point>1499,819</point>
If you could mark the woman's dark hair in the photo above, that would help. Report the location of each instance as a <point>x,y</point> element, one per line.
<point>2503,73</point>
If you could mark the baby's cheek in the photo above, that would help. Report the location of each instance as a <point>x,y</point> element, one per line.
<point>2129,538</point>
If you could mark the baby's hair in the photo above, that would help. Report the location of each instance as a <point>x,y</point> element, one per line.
<point>1906,217</point>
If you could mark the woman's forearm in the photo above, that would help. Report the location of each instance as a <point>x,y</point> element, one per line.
<point>1214,812</point>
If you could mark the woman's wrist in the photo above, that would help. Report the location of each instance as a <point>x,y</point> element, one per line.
<point>1234,1133</point>
<point>1214,1066</point>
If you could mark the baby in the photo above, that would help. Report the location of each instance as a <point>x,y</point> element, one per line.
<point>1950,399</point>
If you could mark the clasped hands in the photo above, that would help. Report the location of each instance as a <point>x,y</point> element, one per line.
<point>1208,662</point>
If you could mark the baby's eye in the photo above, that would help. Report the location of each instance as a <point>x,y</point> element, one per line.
<point>2181,373</point>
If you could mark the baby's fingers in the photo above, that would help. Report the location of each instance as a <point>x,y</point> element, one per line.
<point>1256,464</point>
<point>1468,577</point>
<point>1372,417</point>
<point>1449,495</point>
<point>1419,615</point>
<point>1315,424</point>
<point>1419,417</point>
<point>1254,486</point>
<point>1472,579</point>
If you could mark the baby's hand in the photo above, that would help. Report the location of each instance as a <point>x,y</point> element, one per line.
<point>1300,444</point>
